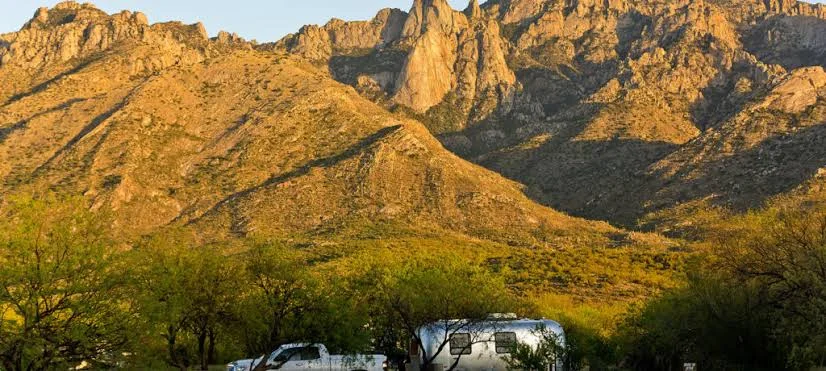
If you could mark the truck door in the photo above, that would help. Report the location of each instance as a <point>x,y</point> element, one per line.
<point>305,358</point>
<point>311,356</point>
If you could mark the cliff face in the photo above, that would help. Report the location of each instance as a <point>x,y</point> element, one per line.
<point>429,54</point>
<point>472,60</point>
<point>560,93</point>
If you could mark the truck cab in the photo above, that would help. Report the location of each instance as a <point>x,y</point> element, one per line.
<point>307,356</point>
<point>294,357</point>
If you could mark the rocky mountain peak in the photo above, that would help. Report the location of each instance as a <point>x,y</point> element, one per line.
<point>71,33</point>
<point>436,14</point>
<point>458,55</point>
<point>67,31</point>
<point>517,11</point>
<point>473,10</point>
<point>41,15</point>
<point>320,43</point>
<point>796,8</point>
<point>63,13</point>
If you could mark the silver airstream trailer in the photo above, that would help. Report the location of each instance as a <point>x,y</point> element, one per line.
<point>478,346</point>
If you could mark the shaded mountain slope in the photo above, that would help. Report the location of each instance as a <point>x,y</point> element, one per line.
<point>591,98</point>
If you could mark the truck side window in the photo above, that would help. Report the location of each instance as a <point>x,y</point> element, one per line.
<point>287,355</point>
<point>310,354</point>
<point>504,341</point>
<point>460,344</point>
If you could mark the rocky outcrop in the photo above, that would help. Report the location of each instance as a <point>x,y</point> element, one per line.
<point>227,38</point>
<point>385,28</point>
<point>796,8</point>
<point>72,31</point>
<point>473,10</point>
<point>467,60</point>
<point>432,14</point>
<point>68,31</point>
<point>791,41</point>
<point>312,42</point>
<point>517,11</point>
<point>488,80</point>
<point>797,92</point>
<point>320,43</point>
<point>427,75</point>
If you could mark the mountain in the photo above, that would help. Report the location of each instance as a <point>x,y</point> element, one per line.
<point>161,118</point>
<point>614,109</point>
<point>166,127</point>
<point>481,130</point>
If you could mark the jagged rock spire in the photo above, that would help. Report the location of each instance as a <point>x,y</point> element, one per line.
<point>42,15</point>
<point>428,13</point>
<point>473,10</point>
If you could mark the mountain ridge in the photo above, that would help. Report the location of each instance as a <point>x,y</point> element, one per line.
<point>610,78</point>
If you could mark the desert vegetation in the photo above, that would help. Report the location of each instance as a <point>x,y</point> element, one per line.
<point>72,293</point>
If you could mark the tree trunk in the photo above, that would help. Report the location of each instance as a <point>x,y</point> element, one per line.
<point>10,360</point>
<point>202,354</point>
<point>171,338</point>
<point>211,348</point>
<point>9,363</point>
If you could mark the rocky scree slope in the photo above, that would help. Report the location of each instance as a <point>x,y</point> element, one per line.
<point>599,107</point>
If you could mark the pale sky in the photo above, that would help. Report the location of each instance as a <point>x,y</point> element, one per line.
<point>264,20</point>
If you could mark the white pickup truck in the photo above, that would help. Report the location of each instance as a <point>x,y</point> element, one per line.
<point>315,357</point>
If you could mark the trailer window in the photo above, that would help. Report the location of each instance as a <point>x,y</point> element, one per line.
<point>460,344</point>
<point>505,341</point>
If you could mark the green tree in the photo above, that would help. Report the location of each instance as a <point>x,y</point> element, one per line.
<point>422,293</point>
<point>278,296</point>
<point>61,287</point>
<point>285,302</point>
<point>708,322</point>
<point>537,357</point>
<point>785,266</point>
<point>756,303</point>
<point>187,293</point>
